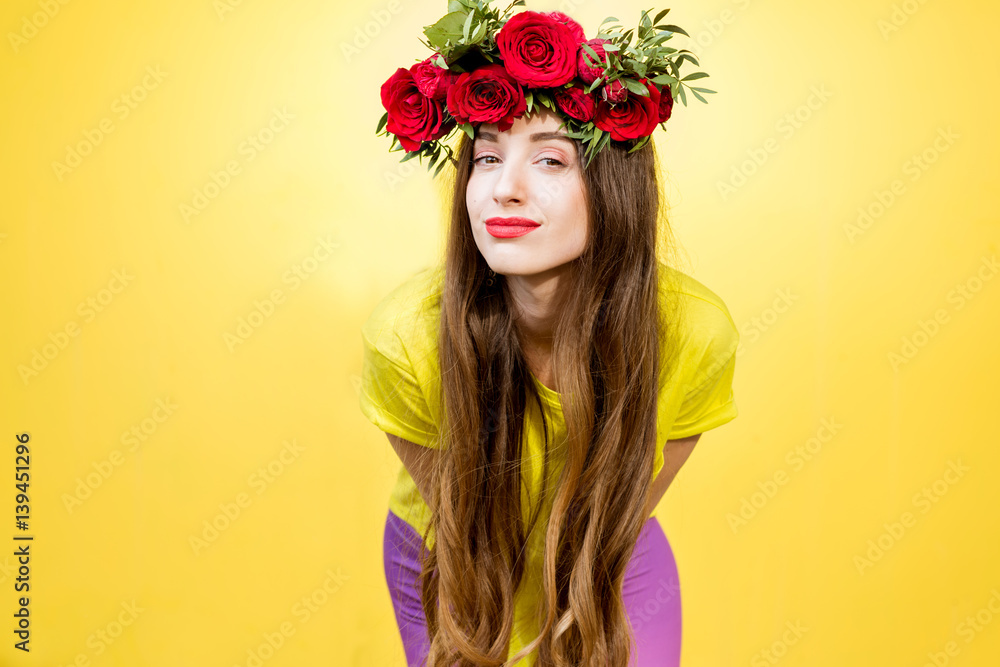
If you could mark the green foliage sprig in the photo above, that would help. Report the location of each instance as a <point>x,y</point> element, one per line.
<point>469,24</point>
<point>649,58</point>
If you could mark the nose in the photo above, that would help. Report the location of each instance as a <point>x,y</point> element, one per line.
<point>511,182</point>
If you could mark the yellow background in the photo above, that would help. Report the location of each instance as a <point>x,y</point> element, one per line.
<point>896,76</point>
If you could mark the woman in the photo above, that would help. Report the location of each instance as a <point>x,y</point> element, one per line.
<point>542,389</point>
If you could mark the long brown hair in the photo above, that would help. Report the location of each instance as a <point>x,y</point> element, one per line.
<point>607,362</point>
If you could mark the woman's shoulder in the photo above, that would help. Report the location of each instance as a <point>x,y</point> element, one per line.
<point>674,280</point>
<point>701,318</point>
<point>408,312</point>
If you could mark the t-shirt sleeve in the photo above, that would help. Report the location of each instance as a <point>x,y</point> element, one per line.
<point>391,396</point>
<point>708,399</point>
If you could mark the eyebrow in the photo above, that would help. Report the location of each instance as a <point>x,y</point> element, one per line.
<point>537,136</point>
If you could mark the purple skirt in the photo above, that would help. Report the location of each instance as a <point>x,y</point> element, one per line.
<point>651,593</point>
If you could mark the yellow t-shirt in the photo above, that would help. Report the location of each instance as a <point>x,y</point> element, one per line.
<point>400,381</point>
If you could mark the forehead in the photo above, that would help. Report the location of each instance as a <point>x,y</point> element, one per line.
<point>536,136</point>
<point>542,124</point>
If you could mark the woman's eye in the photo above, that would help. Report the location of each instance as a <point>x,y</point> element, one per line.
<point>494,157</point>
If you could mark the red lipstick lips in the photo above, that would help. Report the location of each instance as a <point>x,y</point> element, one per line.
<point>505,228</point>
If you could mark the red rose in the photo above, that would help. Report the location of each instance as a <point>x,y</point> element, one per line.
<point>636,117</point>
<point>413,117</point>
<point>614,92</point>
<point>432,80</point>
<point>575,102</point>
<point>666,103</point>
<point>575,27</point>
<point>538,50</point>
<point>487,94</point>
<point>586,72</point>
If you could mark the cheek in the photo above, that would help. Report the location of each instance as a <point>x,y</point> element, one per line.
<point>473,192</point>
<point>579,205</point>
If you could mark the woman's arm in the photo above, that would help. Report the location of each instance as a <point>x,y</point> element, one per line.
<point>419,462</point>
<point>675,453</point>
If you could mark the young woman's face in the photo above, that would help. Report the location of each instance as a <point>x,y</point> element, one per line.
<point>533,173</point>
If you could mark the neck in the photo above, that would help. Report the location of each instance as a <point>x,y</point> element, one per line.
<point>537,299</point>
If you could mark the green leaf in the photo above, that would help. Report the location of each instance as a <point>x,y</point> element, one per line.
<point>695,75</point>
<point>529,99</point>
<point>680,60</point>
<point>639,144</point>
<point>591,152</point>
<point>663,79</point>
<point>610,18</point>
<point>410,156</point>
<point>440,62</point>
<point>690,56</point>
<point>673,28</point>
<point>598,81</point>
<point>467,26</point>
<point>447,27</point>
<point>698,95</point>
<point>480,32</point>
<point>702,90</point>
<point>683,96</point>
<point>597,133</point>
<point>660,37</point>
<point>469,130</point>
<point>660,15</point>
<point>440,167</point>
<point>591,58</point>
<point>382,122</point>
<point>635,86</point>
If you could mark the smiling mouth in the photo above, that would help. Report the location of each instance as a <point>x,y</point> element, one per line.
<point>505,228</point>
<point>511,222</point>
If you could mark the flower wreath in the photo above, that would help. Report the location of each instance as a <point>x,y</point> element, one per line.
<point>489,67</point>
